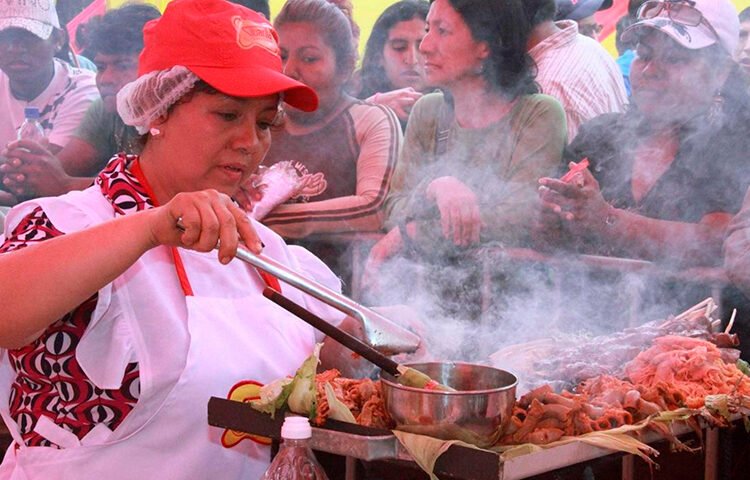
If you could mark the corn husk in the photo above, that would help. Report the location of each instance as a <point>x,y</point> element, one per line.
<point>337,409</point>
<point>426,450</point>
<point>414,378</point>
<point>617,439</point>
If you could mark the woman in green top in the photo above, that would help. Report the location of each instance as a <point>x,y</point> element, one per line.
<point>472,155</point>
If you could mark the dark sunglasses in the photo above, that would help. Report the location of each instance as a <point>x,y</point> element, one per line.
<point>678,11</point>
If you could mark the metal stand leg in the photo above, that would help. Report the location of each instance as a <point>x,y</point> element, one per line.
<point>628,467</point>
<point>351,468</point>
<point>712,454</point>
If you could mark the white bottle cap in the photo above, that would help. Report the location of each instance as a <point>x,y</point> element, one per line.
<point>296,428</point>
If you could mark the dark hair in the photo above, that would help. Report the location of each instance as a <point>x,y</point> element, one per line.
<point>539,11</point>
<point>347,7</point>
<point>374,79</point>
<point>502,24</point>
<point>120,31</point>
<point>65,53</point>
<point>744,15</point>
<point>332,24</point>
<point>633,6</point>
<point>260,6</point>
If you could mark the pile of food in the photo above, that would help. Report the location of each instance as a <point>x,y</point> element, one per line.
<point>647,376</point>
<point>325,395</point>
<point>675,373</point>
<point>362,397</point>
<point>563,363</point>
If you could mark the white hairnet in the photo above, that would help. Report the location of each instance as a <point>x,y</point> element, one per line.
<point>144,100</point>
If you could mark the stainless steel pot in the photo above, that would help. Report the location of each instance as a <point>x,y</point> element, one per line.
<point>476,413</point>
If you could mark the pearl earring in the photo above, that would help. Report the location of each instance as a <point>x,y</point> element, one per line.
<point>154,131</point>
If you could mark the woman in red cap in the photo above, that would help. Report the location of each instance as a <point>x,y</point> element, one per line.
<point>123,322</point>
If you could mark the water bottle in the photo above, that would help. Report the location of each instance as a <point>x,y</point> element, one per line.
<point>295,460</point>
<point>31,129</point>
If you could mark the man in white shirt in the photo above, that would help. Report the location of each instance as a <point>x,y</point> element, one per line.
<point>573,68</point>
<point>30,35</point>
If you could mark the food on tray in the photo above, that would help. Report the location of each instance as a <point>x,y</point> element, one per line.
<point>564,364</point>
<point>675,373</point>
<point>325,395</point>
<point>648,376</point>
<point>693,367</point>
<point>362,398</point>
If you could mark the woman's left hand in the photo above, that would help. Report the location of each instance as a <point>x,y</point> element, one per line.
<point>579,203</point>
<point>459,210</point>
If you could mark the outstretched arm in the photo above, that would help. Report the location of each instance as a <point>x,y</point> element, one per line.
<point>47,280</point>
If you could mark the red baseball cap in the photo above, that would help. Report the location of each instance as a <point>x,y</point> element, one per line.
<point>230,47</point>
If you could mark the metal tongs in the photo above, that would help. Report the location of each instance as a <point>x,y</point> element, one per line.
<point>379,332</point>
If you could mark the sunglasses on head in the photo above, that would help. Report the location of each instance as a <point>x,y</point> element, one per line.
<point>678,11</point>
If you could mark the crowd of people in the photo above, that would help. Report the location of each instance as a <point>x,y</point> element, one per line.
<point>466,124</point>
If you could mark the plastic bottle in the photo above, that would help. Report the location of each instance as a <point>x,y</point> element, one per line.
<point>31,129</point>
<point>295,460</point>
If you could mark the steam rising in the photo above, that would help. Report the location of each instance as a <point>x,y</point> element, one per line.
<point>537,302</point>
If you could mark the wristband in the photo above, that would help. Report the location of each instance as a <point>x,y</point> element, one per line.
<point>611,218</point>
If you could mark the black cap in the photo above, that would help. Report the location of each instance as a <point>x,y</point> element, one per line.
<point>579,9</point>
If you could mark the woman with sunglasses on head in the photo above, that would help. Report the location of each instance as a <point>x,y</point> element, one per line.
<point>353,144</point>
<point>466,175</point>
<point>392,71</point>
<point>664,176</point>
<point>124,321</point>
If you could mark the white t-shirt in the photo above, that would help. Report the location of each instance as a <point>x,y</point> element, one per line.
<point>62,104</point>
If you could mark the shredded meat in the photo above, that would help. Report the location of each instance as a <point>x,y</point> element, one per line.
<point>362,397</point>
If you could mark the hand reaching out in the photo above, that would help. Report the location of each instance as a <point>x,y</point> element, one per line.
<point>400,101</point>
<point>386,248</point>
<point>579,202</point>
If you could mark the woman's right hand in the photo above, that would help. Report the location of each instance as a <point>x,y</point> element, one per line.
<point>459,210</point>
<point>387,247</point>
<point>400,101</point>
<point>200,220</point>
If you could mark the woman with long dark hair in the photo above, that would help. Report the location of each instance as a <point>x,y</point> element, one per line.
<point>392,71</point>
<point>467,173</point>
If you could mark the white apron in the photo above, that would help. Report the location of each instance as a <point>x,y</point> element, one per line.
<point>187,351</point>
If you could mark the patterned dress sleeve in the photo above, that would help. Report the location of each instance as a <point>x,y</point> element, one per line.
<point>34,228</point>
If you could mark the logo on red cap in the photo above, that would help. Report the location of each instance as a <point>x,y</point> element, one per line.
<point>254,34</point>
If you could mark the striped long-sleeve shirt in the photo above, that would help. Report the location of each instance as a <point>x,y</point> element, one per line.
<point>580,73</point>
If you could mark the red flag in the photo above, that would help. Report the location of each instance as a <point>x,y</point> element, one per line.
<point>608,18</point>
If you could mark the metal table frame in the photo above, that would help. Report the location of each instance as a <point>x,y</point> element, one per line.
<point>363,443</point>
